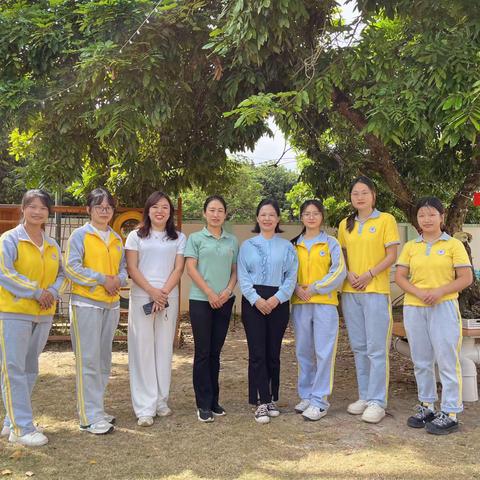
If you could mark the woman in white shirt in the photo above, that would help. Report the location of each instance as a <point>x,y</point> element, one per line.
<point>155,263</point>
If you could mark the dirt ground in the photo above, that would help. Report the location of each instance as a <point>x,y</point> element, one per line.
<point>339,446</point>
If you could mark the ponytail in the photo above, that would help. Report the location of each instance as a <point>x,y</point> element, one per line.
<point>351,222</point>
<point>295,239</point>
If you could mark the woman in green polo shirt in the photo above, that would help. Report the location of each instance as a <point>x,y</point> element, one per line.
<point>211,261</point>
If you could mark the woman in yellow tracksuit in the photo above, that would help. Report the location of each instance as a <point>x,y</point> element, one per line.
<point>95,263</point>
<point>31,279</point>
<point>321,272</point>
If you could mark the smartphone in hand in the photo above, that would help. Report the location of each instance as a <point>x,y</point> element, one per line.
<point>148,307</point>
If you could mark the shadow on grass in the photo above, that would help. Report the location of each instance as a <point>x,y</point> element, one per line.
<point>235,447</point>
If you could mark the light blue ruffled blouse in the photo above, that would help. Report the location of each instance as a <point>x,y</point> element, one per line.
<point>271,262</point>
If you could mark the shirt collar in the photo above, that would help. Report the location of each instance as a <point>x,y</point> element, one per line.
<point>207,233</point>
<point>443,236</point>
<point>91,229</point>
<point>374,214</point>
<point>320,238</point>
<point>23,235</point>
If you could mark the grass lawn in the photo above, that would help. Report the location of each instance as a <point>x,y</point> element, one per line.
<point>339,446</point>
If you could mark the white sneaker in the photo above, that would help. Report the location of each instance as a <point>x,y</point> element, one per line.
<point>145,421</point>
<point>313,413</point>
<point>32,439</point>
<point>301,406</point>
<point>164,411</point>
<point>358,407</point>
<point>101,427</point>
<point>109,418</point>
<point>373,413</point>
<point>261,414</point>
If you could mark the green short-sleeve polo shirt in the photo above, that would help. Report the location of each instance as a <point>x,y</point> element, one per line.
<point>215,257</point>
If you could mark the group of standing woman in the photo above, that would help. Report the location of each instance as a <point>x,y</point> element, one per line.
<point>307,271</point>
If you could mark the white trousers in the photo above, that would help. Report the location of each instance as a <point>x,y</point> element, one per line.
<point>150,349</point>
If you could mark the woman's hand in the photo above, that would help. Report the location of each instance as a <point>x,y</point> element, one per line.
<point>214,299</point>
<point>352,278</point>
<point>158,295</point>
<point>273,302</point>
<point>303,292</point>
<point>433,296</point>
<point>224,296</point>
<point>158,306</point>
<point>361,281</point>
<point>263,306</point>
<point>112,284</point>
<point>46,300</point>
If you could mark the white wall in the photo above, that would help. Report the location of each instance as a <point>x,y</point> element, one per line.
<point>242,232</point>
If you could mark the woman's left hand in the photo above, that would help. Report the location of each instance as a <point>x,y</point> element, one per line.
<point>46,300</point>
<point>224,296</point>
<point>433,296</point>
<point>273,302</point>
<point>361,282</point>
<point>303,292</point>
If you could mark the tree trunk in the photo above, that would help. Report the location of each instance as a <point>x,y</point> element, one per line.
<point>463,198</point>
<point>381,161</point>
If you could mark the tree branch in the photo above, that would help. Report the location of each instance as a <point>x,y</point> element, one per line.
<point>381,161</point>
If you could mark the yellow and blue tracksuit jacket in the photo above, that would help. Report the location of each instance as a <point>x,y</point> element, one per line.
<point>25,272</point>
<point>323,268</point>
<point>88,260</point>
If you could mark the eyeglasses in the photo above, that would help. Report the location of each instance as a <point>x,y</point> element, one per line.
<point>100,209</point>
<point>311,214</point>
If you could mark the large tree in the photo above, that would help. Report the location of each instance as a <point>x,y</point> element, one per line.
<point>402,99</point>
<point>79,107</point>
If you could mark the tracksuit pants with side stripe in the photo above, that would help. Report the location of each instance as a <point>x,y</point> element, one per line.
<point>435,335</point>
<point>21,343</point>
<point>92,331</point>
<point>368,317</point>
<point>316,336</point>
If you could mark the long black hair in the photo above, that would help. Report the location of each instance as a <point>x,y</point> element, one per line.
<point>431,202</point>
<point>145,226</point>
<point>274,204</point>
<point>371,186</point>
<point>318,205</point>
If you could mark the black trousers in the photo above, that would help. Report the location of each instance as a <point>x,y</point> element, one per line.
<point>264,338</point>
<point>209,328</point>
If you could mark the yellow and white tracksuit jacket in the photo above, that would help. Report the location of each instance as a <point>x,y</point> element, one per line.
<point>323,267</point>
<point>88,260</point>
<point>25,272</point>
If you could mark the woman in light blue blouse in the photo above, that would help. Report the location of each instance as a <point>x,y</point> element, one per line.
<point>267,273</point>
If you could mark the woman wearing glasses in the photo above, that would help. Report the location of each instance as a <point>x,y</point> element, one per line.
<point>369,239</point>
<point>267,274</point>
<point>321,273</point>
<point>95,263</point>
